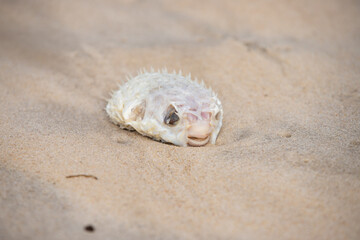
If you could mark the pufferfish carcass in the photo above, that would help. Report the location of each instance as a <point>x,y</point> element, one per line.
<point>167,107</point>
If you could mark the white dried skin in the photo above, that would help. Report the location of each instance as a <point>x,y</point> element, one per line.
<point>146,103</point>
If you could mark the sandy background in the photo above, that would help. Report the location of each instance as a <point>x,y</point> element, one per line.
<point>287,161</point>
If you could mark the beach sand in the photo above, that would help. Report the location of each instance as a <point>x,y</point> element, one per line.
<point>286,164</point>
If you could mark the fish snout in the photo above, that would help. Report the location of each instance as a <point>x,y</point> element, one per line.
<point>199,133</point>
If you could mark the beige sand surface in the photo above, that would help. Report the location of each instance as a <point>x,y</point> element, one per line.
<point>287,161</point>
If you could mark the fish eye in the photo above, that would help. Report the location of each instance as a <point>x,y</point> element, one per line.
<point>171,118</point>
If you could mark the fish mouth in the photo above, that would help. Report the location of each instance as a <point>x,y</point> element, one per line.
<point>197,142</point>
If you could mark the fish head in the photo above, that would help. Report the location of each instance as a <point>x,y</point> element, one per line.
<point>187,120</point>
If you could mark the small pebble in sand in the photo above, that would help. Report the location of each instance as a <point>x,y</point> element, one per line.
<point>167,107</point>
<point>285,134</point>
<point>89,228</point>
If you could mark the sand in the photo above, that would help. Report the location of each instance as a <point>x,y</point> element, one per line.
<point>287,161</point>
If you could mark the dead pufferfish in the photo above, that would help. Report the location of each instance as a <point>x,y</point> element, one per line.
<point>167,107</point>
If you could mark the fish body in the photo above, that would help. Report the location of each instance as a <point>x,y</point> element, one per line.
<point>167,107</point>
